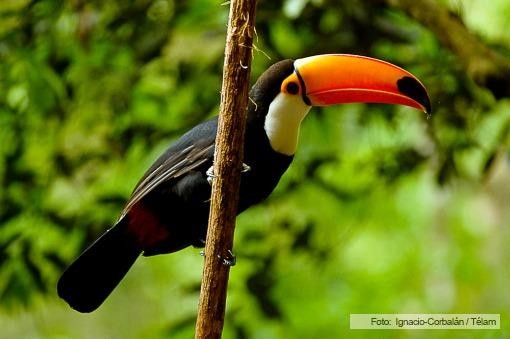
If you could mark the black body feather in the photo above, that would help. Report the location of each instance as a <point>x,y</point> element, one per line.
<point>169,207</point>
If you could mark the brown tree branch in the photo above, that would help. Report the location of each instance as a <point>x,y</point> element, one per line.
<point>227,168</point>
<point>485,66</point>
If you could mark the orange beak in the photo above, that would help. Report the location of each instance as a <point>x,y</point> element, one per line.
<point>340,78</point>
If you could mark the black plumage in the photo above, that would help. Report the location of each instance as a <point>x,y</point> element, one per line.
<point>169,207</point>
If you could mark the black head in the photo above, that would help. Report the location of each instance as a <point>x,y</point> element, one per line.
<point>284,94</point>
<point>268,86</point>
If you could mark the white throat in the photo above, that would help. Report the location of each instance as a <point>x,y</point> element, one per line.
<point>283,121</point>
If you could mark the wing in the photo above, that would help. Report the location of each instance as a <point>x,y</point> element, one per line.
<point>194,149</point>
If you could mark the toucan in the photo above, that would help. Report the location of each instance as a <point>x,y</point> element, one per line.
<point>169,207</point>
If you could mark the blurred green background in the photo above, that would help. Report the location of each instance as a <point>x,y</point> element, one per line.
<point>383,210</point>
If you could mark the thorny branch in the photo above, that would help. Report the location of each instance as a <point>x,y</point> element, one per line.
<point>227,168</point>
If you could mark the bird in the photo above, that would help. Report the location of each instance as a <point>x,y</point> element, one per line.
<point>169,207</point>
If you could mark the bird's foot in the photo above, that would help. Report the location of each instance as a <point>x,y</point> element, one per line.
<point>246,168</point>
<point>210,175</point>
<point>210,172</point>
<point>230,260</point>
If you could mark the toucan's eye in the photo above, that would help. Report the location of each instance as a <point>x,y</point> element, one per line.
<point>292,88</point>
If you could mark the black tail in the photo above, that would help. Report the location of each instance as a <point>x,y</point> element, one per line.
<point>93,276</point>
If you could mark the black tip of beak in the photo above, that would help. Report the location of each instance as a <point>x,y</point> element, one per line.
<point>415,90</point>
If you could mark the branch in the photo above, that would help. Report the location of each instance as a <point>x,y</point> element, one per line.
<point>485,66</point>
<point>227,168</point>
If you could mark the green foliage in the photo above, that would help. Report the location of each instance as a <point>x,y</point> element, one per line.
<point>383,210</point>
